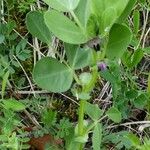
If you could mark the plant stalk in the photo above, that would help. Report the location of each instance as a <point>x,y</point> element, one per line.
<point>81,117</point>
<point>87,89</point>
<point>81,121</point>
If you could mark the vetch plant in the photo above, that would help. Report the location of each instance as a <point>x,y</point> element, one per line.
<point>90,85</point>
<point>75,23</point>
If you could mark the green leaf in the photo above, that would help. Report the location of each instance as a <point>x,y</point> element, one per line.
<point>136,58</point>
<point>85,78</point>
<point>106,74</point>
<point>52,75</point>
<point>84,96</point>
<point>107,12</point>
<point>64,128</point>
<point>127,11</point>
<point>48,117</point>
<point>82,139</point>
<point>126,58</point>
<point>4,82</point>
<point>118,139</point>
<point>83,11</point>
<point>64,28</point>
<point>148,84</point>
<point>141,101</point>
<point>108,19</point>
<point>114,114</point>
<point>71,144</point>
<point>142,1</point>
<point>2,38</point>
<point>13,104</point>
<point>97,137</point>
<point>63,5</point>
<point>36,26</point>
<point>131,59</point>
<point>92,27</point>
<point>131,94</point>
<point>146,50</point>
<point>99,6</point>
<point>119,39</point>
<point>93,111</point>
<point>136,21</point>
<point>8,28</point>
<point>133,139</point>
<point>120,5</point>
<point>78,57</point>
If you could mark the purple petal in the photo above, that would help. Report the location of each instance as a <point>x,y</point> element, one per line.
<point>102,66</point>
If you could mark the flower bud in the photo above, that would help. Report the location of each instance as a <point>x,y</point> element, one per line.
<point>101,66</point>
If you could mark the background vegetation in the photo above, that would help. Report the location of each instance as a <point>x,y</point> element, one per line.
<point>75,74</point>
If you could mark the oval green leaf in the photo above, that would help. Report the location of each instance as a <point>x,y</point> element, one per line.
<point>97,137</point>
<point>93,111</point>
<point>36,26</point>
<point>63,5</point>
<point>108,19</point>
<point>2,38</point>
<point>78,57</point>
<point>52,75</point>
<point>119,39</point>
<point>124,15</point>
<point>114,114</point>
<point>83,11</point>
<point>64,28</point>
<point>13,105</point>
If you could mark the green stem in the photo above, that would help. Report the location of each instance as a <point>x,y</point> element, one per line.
<point>91,85</point>
<point>76,78</point>
<point>81,117</point>
<point>81,147</point>
<point>85,89</point>
<point>81,121</point>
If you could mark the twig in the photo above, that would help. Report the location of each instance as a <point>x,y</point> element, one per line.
<point>51,51</point>
<point>32,92</point>
<point>35,43</point>
<point>38,4</point>
<point>144,28</point>
<point>43,92</point>
<point>32,118</point>
<point>25,75</point>
<point>129,123</point>
<point>2,10</point>
<point>142,127</point>
<point>69,98</point>
<point>103,91</point>
<point>145,36</point>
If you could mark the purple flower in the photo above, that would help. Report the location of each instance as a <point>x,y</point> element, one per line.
<point>101,66</point>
